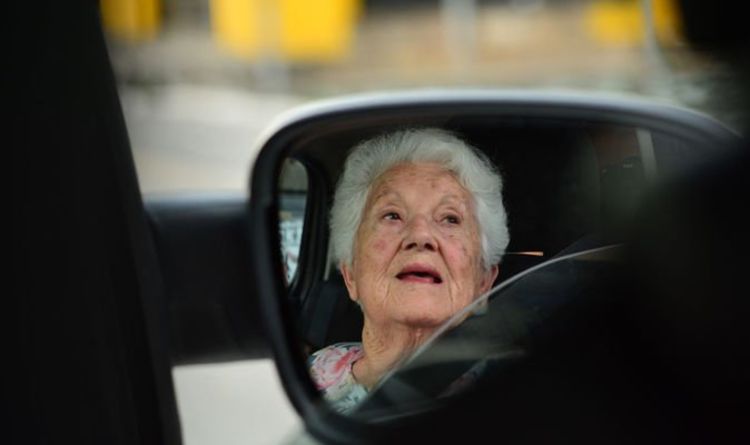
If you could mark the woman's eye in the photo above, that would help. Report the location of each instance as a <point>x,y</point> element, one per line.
<point>392,216</point>
<point>452,219</point>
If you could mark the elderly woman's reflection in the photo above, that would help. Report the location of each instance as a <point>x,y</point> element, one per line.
<point>418,228</point>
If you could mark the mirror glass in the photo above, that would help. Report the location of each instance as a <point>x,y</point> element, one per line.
<point>569,187</point>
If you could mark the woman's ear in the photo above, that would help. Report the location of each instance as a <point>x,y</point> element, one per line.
<point>486,284</point>
<point>349,281</point>
<point>489,279</point>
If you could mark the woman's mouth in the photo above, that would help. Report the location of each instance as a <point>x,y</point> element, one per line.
<point>420,274</point>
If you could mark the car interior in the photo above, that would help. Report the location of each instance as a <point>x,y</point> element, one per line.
<point>561,180</point>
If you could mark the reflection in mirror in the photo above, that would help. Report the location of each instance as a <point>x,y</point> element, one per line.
<point>416,224</point>
<point>292,199</point>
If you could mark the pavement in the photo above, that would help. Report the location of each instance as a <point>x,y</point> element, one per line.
<point>235,403</point>
<point>195,138</point>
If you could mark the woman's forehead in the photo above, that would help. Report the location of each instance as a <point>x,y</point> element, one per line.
<point>395,182</point>
<point>414,170</point>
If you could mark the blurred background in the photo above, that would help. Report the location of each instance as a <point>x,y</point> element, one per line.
<point>200,79</point>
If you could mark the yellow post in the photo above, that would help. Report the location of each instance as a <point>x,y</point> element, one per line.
<point>235,25</point>
<point>133,20</point>
<point>317,31</point>
<point>291,30</point>
<point>622,22</point>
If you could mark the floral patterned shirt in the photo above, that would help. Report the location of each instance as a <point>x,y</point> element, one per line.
<point>331,370</point>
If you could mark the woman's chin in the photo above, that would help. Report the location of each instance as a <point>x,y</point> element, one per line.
<point>424,319</point>
<point>423,322</point>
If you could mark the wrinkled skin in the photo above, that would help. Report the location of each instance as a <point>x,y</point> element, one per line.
<point>417,261</point>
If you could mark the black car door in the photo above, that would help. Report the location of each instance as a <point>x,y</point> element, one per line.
<point>97,281</point>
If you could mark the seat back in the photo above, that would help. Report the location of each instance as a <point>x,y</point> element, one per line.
<point>329,315</point>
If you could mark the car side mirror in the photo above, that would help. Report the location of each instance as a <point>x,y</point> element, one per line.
<point>574,168</point>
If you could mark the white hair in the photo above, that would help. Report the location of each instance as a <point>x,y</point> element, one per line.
<point>370,159</point>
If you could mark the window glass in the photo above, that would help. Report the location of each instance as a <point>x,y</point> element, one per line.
<point>498,330</point>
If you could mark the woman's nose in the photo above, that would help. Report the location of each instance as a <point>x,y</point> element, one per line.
<point>420,236</point>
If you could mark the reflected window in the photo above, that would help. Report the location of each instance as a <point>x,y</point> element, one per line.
<point>293,186</point>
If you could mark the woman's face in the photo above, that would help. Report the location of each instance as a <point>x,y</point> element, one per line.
<point>417,254</point>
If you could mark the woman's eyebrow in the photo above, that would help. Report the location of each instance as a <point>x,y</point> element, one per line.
<point>386,193</point>
<point>454,200</point>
